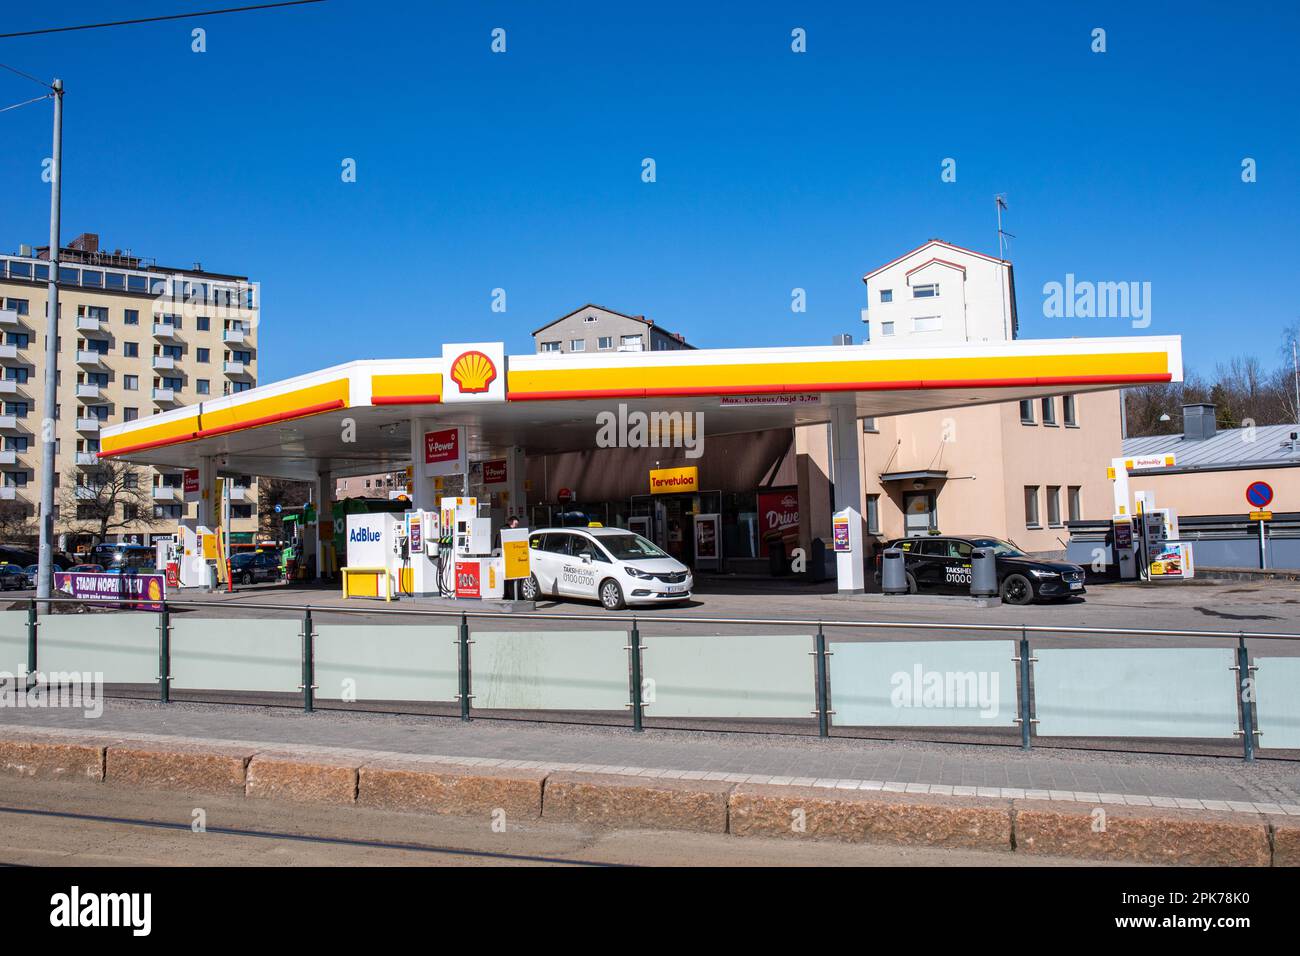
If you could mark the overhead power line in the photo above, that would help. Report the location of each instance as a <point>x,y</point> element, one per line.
<point>34,79</point>
<point>174,16</point>
<point>6,109</point>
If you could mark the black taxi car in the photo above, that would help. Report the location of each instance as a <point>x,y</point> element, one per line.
<point>941,564</point>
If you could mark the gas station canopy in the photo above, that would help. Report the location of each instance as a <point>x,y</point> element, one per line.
<point>356,418</point>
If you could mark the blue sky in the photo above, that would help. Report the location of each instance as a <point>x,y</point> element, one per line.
<point>775,170</point>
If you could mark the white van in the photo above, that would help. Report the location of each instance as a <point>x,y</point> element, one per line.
<point>609,565</point>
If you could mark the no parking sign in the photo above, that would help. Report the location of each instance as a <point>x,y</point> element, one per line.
<point>1259,494</point>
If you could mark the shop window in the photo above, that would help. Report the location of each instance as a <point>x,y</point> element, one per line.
<point>1031,507</point>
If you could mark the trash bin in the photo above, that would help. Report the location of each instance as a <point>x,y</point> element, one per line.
<point>983,573</point>
<point>893,572</point>
<point>817,561</point>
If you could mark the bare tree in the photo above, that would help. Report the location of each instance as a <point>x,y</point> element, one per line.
<point>282,492</point>
<point>17,524</point>
<point>110,496</point>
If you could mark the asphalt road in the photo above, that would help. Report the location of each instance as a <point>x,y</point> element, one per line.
<point>66,823</point>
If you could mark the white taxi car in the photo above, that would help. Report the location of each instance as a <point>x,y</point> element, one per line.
<point>609,565</point>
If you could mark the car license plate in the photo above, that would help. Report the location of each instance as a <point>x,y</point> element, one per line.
<point>1076,585</point>
<point>675,588</point>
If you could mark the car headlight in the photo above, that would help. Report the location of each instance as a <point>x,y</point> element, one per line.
<point>1044,574</point>
<point>637,573</point>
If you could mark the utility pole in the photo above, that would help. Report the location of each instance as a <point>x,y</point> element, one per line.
<point>49,436</point>
<point>1000,201</point>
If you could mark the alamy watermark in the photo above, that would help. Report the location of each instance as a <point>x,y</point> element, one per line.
<point>1085,299</point>
<point>946,689</point>
<point>659,429</point>
<point>79,690</point>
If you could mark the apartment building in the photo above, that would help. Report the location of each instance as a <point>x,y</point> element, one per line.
<point>135,339</point>
<point>594,328</point>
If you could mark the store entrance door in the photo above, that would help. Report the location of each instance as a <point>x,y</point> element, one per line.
<point>672,519</point>
<point>919,516</point>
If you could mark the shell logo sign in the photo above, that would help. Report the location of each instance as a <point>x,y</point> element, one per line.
<point>473,372</point>
<point>478,369</point>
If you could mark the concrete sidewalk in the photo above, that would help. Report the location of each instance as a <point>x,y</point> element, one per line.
<point>1087,776</point>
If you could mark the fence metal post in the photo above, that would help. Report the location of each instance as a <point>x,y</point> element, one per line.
<point>823,686</point>
<point>463,667</point>
<point>1246,700</point>
<point>30,680</point>
<point>1026,716</point>
<point>634,648</point>
<point>308,662</point>
<point>164,654</point>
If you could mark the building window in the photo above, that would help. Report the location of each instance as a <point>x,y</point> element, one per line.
<point>577,345</point>
<point>131,349</point>
<point>869,425</point>
<point>132,316</point>
<point>1075,505</point>
<point>17,305</point>
<point>17,373</point>
<point>203,323</point>
<point>928,291</point>
<point>927,323</point>
<point>605,343</point>
<point>19,340</point>
<point>1031,507</point>
<point>1026,411</point>
<point>886,328</point>
<point>130,512</point>
<point>550,346</point>
<point>130,414</point>
<point>204,354</point>
<point>630,343</point>
<point>1069,411</point>
<point>131,382</point>
<point>241,387</point>
<point>1054,506</point>
<point>886,295</point>
<point>591,318</point>
<point>1049,411</point>
<point>203,386</point>
<point>16,409</point>
<point>873,514</point>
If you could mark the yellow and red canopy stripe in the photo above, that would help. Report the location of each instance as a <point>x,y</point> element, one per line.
<point>837,376</point>
<point>424,389</point>
<point>283,407</point>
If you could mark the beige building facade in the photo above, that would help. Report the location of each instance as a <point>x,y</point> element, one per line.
<point>135,339</point>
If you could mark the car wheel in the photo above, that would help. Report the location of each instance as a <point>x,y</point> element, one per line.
<point>247,578</point>
<point>611,595</point>
<point>529,589</point>
<point>911,585</point>
<point>1016,589</point>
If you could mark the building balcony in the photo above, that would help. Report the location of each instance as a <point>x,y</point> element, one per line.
<point>164,362</point>
<point>8,316</point>
<point>86,323</point>
<point>165,493</point>
<point>236,369</point>
<point>89,357</point>
<point>85,390</point>
<point>85,458</point>
<point>8,351</point>
<point>238,493</point>
<point>163,330</point>
<point>86,491</point>
<point>165,395</point>
<point>8,423</point>
<point>8,387</point>
<point>88,425</point>
<point>8,457</point>
<point>8,493</point>
<point>235,335</point>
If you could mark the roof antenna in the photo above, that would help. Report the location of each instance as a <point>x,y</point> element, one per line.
<point>1000,201</point>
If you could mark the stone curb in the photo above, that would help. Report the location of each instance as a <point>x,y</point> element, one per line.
<point>636,798</point>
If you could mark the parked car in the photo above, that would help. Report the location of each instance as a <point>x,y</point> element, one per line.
<point>609,565</point>
<point>86,569</point>
<point>251,566</point>
<point>13,578</point>
<point>943,564</point>
<point>31,571</point>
